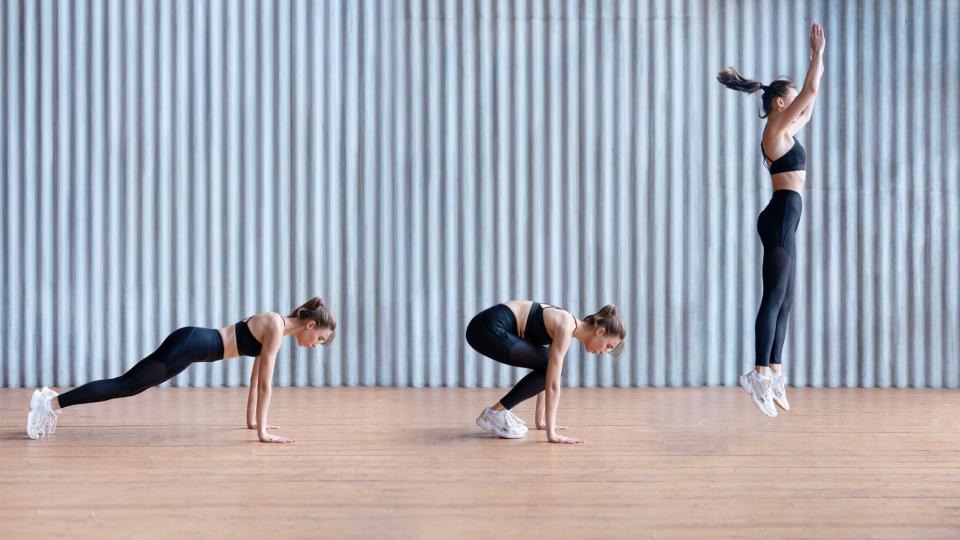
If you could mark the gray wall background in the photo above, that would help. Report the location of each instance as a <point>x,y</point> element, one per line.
<point>191,162</point>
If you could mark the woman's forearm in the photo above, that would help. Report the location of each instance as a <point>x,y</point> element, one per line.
<point>263,405</point>
<point>814,73</point>
<point>252,396</point>
<point>540,417</point>
<point>553,402</point>
<point>252,408</point>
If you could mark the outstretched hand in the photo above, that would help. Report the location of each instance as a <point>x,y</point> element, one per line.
<point>817,40</point>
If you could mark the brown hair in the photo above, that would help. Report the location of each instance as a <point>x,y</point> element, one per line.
<point>317,311</point>
<point>732,79</point>
<point>608,319</point>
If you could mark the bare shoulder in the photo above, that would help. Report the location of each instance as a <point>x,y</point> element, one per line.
<point>559,320</point>
<point>266,324</point>
<point>776,141</point>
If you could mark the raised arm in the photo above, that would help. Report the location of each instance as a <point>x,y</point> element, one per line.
<point>798,113</point>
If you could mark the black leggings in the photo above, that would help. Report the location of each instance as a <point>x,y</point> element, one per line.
<point>181,348</point>
<point>493,333</point>
<point>777,226</point>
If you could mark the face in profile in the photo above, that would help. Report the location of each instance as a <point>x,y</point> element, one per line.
<point>600,343</point>
<point>311,335</point>
<point>788,98</point>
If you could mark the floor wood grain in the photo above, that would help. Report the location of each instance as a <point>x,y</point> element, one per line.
<point>411,463</point>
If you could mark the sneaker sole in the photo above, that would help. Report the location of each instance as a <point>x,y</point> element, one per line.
<point>34,403</point>
<point>753,397</point>
<point>510,434</point>
<point>783,405</point>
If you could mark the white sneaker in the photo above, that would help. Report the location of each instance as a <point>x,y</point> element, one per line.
<point>500,423</point>
<point>779,391</point>
<point>41,420</point>
<point>34,420</point>
<point>759,389</point>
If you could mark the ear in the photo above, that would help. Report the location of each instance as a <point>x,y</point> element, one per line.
<point>601,331</point>
<point>780,103</point>
<point>311,325</point>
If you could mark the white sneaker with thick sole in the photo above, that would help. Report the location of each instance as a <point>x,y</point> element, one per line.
<point>759,389</point>
<point>779,391</point>
<point>34,419</point>
<point>500,423</point>
<point>42,419</point>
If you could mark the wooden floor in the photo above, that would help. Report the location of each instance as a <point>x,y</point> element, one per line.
<point>404,463</point>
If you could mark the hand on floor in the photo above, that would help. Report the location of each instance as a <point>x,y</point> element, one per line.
<point>268,438</point>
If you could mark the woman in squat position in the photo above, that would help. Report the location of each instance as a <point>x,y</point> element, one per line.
<point>536,336</point>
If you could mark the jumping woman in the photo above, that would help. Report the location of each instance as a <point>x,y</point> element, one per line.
<point>258,336</point>
<point>786,111</point>
<point>536,336</point>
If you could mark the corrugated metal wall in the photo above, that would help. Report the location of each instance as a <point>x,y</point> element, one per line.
<point>190,162</point>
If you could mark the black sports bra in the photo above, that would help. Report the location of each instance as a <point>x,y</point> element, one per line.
<point>536,330</point>
<point>247,345</point>
<point>794,160</point>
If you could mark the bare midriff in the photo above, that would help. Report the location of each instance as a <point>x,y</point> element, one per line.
<point>792,180</point>
<point>229,336</point>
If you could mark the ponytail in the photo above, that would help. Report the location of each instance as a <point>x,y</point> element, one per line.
<point>732,79</point>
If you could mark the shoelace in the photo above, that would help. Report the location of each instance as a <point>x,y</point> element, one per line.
<point>508,419</point>
<point>516,419</point>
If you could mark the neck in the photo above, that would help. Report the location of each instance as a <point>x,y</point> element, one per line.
<point>290,326</point>
<point>581,332</point>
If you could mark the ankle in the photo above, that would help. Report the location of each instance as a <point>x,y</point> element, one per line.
<point>498,407</point>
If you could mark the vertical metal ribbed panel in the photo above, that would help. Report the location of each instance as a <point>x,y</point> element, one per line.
<point>191,162</point>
